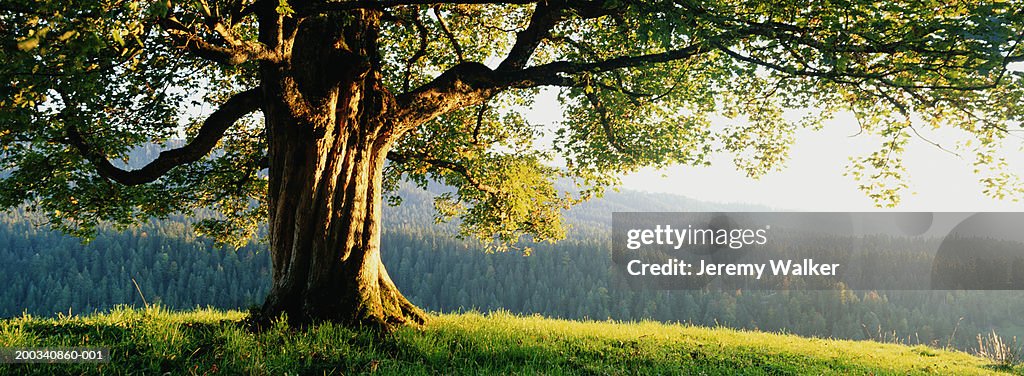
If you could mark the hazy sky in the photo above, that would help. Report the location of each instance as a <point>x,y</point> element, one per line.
<point>813,180</point>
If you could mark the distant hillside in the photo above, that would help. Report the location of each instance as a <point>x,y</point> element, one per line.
<point>417,207</point>
<point>203,342</point>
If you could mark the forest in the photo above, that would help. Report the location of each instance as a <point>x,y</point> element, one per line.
<point>47,272</point>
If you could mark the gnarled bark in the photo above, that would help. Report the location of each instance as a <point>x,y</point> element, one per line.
<point>325,226</point>
<point>329,130</point>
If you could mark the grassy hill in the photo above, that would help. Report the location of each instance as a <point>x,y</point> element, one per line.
<point>155,341</point>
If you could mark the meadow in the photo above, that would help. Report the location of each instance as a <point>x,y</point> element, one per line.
<point>155,341</point>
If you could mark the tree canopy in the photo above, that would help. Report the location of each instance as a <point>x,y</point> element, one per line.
<point>642,83</point>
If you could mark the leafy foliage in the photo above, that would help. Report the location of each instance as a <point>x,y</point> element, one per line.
<point>643,83</point>
<point>105,70</point>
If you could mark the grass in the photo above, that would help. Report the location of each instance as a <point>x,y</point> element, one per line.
<point>205,341</point>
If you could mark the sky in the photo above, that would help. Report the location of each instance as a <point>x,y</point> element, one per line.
<point>812,179</point>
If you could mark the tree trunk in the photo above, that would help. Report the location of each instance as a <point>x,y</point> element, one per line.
<point>329,133</point>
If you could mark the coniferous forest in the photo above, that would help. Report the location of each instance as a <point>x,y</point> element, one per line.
<point>46,272</point>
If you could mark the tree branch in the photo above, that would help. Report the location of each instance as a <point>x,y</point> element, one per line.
<point>479,122</point>
<point>448,34</point>
<point>382,4</point>
<point>443,164</point>
<point>420,52</point>
<point>236,52</point>
<point>606,124</point>
<point>912,40</point>
<point>463,85</point>
<point>844,77</point>
<point>543,19</point>
<point>210,133</point>
<point>472,83</point>
<point>553,74</point>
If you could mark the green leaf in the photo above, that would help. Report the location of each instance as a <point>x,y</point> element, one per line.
<point>28,44</point>
<point>116,33</point>
<point>284,9</point>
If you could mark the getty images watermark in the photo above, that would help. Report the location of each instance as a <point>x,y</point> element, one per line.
<point>788,250</point>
